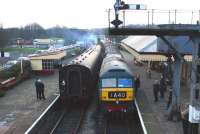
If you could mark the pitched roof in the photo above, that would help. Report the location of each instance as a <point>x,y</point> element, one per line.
<point>142,43</point>
<point>49,55</point>
<point>152,48</point>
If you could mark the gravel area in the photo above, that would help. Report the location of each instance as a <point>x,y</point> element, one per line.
<point>19,108</point>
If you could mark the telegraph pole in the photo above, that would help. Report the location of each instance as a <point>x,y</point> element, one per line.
<point>21,64</point>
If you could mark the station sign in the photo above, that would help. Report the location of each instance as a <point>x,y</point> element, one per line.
<point>194,114</point>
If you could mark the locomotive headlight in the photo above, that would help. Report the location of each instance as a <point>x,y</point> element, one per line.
<point>117,102</point>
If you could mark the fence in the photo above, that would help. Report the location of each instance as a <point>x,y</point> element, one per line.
<point>152,17</point>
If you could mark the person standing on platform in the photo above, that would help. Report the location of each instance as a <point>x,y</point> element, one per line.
<point>169,98</point>
<point>197,90</point>
<point>165,70</point>
<point>37,88</point>
<point>137,83</point>
<point>148,73</point>
<point>155,90</point>
<point>41,89</point>
<point>162,87</point>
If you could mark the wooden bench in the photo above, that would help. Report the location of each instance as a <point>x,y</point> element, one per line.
<point>8,83</point>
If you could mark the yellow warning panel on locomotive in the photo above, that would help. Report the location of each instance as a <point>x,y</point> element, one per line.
<point>120,94</point>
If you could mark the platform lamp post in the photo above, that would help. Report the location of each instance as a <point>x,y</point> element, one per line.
<point>21,61</point>
<point>21,66</point>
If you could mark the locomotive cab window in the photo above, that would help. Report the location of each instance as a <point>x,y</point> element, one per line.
<point>125,82</point>
<point>111,82</point>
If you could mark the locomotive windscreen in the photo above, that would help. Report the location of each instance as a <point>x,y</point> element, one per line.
<point>123,82</point>
<point>111,82</point>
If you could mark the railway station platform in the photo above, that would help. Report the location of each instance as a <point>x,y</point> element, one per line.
<point>19,108</point>
<point>154,113</point>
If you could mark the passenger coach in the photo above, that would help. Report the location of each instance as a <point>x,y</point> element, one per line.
<point>78,79</point>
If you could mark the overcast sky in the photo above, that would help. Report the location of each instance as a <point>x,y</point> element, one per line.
<point>74,13</point>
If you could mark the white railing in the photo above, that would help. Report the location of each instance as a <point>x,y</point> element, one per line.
<point>141,119</point>
<point>151,17</point>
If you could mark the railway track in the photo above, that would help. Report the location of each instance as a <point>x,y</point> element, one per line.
<point>57,119</point>
<point>117,127</point>
<point>120,123</point>
<point>129,124</point>
<point>70,121</point>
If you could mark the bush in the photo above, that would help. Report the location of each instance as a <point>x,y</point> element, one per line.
<point>10,72</point>
<point>2,93</point>
<point>15,70</point>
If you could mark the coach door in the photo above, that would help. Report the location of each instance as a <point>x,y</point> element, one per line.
<point>74,82</point>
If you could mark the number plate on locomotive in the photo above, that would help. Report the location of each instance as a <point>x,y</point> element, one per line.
<point>117,94</point>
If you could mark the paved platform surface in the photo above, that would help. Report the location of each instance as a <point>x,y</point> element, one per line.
<point>19,108</point>
<point>154,114</point>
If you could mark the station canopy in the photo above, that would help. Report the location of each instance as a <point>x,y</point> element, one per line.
<point>152,48</point>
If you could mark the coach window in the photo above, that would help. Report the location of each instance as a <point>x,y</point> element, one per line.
<point>109,82</point>
<point>125,82</point>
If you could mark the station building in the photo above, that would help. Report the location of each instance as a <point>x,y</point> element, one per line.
<point>44,63</point>
<point>46,43</point>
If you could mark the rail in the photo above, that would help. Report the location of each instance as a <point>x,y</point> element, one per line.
<point>70,121</point>
<point>58,122</point>
<point>80,122</point>
<point>140,117</point>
